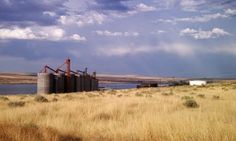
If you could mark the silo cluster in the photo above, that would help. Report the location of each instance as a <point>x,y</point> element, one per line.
<point>62,83</point>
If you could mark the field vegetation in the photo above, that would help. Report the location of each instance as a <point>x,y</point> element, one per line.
<point>180,113</point>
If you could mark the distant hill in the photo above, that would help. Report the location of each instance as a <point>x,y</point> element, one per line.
<point>31,78</point>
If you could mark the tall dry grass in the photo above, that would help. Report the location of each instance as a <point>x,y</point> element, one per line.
<point>140,115</point>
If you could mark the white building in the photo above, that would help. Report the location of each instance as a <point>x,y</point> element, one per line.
<point>197,82</point>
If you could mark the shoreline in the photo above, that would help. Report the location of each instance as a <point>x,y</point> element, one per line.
<point>31,78</point>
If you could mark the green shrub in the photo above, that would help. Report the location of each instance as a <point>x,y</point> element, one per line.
<point>23,97</point>
<point>103,116</point>
<point>69,97</point>
<point>92,95</point>
<point>56,95</point>
<point>192,93</point>
<point>167,93</point>
<point>111,92</point>
<point>185,90</point>
<point>120,95</point>
<point>186,97</point>
<point>138,94</point>
<point>195,89</point>
<point>16,104</point>
<point>225,89</point>
<point>39,98</point>
<point>148,95</point>
<point>3,98</point>
<point>54,99</point>
<point>201,95</point>
<point>216,97</point>
<point>191,103</point>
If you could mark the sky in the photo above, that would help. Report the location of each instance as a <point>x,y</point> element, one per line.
<point>175,38</point>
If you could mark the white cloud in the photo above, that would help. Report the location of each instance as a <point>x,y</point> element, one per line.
<point>165,4</point>
<point>109,33</point>
<point>183,50</point>
<point>144,8</point>
<point>49,13</point>
<point>191,5</point>
<point>139,8</point>
<point>179,49</point>
<point>203,18</point>
<point>37,33</point>
<point>201,34</point>
<point>229,49</point>
<point>158,32</point>
<point>17,33</point>
<point>56,33</point>
<point>67,20</point>
<point>188,31</point>
<point>167,21</point>
<point>230,11</point>
<point>88,18</point>
<point>7,2</point>
<point>77,37</point>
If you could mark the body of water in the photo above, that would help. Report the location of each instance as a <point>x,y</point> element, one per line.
<point>12,89</point>
<point>117,85</point>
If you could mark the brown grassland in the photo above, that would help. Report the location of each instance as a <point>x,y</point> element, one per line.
<point>148,114</point>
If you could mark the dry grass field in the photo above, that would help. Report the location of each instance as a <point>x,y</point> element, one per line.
<point>149,114</point>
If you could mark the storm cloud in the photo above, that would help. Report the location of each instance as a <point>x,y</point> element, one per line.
<point>28,12</point>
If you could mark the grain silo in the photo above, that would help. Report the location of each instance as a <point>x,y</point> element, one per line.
<point>65,80</point>
<point>59,82</point>
<point>93,84</point>
<point>82,82</point>
<point>45,83</point>
<point>56,82</point>
<point>87,83</point>
<point>78,84</point>
<point>72,83</point>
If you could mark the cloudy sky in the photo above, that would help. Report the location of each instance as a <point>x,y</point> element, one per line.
<point>153,37</point>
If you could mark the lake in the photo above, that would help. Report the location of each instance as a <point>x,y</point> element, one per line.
<point>12,89</point>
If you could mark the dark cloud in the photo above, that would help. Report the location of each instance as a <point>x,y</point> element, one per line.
<point>222,3</point>
<point>34,50</point>
<point>23,12</point>
<point>226,2</point>
<point>209,5</point>
<point>116,5</point>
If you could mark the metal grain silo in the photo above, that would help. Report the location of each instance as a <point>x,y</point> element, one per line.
<point>96,85</point>
<point>82,82</point>
<point>87,83</point>
<point>62,82</point>
<point>72,83</point>
<point>59,83</point>
<point>45,83</point>
<point>78,83</point>
<point>92,84</point>
<point>66,84</point>
<point>56,82</point>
